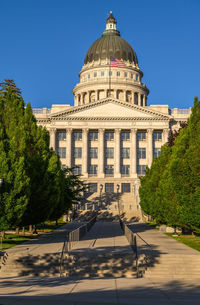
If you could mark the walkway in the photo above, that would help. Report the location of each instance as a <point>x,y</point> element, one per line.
<point>159,242</point>
<point>47,243</point>
<point>104,238</point>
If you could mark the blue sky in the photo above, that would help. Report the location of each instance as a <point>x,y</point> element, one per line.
<point>43,44</point>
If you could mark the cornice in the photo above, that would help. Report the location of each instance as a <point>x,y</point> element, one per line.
<point>43,121</point>
<point>107,66</point>
<point>66,118</point>
<point>85,85</point>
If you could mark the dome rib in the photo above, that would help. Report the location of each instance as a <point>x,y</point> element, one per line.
<point>101,49</point>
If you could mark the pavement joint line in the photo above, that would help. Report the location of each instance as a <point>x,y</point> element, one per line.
<point>164,293</point>
<point>75,285</point>
<point>116,291</point>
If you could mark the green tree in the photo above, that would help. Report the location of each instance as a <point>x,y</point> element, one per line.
<point>170,191</point>
<point>150,183</point>
<point>181,182</point>
<point>35,186</point>
<point>16,188</point>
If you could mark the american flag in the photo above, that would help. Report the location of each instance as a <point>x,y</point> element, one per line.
<point>114,62</point>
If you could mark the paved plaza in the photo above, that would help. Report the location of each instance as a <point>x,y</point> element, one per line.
<point>104,237</point>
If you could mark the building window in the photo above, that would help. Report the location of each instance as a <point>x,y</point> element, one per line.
<point>93,135</point>
<point>109,135</point>
<point>131,75</point>
<point>125,153</point>
<point>102,73</point>
<point>110,73</point>
<point>126,188</point>
<point>125,136</point>
<point>88,75</point>
<point>61,152</point>
<point>92,187</point>
<point>77,135</point>
<point>109,152</point>
<point>141,136</point>
<point>156,152</point>
<point>109,187</point>
<point>61,135</point>
<point>95,74</point>
<point>77,170</point>
<point>125,170</point>
<point>93,169</point>
<point>77,152</point>
<point>118,73</point>
<point>125,74</point>
<point>109,169</point>
<point>93,152</point>
<point>141,169</point>
<point>136,77</point>
<point>37,111</point>
<point>141,153</point>
<point>157,136</point>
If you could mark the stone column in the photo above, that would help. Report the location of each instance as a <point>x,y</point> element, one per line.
<point>69,147</point>
<point>87,97</point>
<point>117,154</point>
<point>124,95</point>
<point>53,138</point>
<point>85,152</point>
<point>96,95</point>
<point>82,94</point>
<point>165,135</point>
<point>101,153</point>
<point>144,100</point>
<point>132,97</point>
<point>150,147</point>
<point>139,98</point>
<point>133,165</point>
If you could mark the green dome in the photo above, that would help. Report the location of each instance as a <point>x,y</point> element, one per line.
<point>111,44</point>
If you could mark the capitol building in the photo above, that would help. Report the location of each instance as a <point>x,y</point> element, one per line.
<point>111,134</point>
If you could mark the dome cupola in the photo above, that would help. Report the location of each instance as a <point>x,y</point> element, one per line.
<point>111,22</point>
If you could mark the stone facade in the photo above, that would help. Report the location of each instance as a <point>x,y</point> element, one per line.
<point>110,134</point>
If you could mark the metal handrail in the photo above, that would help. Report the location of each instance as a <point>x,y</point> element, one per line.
<point>73,237</point>
<point>132,239</point>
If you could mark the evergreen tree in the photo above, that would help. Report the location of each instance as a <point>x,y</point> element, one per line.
<point>182,186</point>
<point>35,186</point>
<point>150,183</point>
<point>16,188</point>
<point>170,191</point>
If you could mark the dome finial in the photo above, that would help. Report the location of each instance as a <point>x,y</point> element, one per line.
<point>111,22</point>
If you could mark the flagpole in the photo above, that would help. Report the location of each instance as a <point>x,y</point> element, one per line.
<point>109,86</point>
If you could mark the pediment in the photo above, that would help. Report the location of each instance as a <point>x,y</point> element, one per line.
<point>109,109</point>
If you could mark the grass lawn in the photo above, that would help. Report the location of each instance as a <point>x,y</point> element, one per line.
<point>12,240</point>
<point>189,240</point>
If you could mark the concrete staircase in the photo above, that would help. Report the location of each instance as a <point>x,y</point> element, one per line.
<point>172,266</point>
<point>30,265</point>
<point>100,265</point>
<point>123,203</point>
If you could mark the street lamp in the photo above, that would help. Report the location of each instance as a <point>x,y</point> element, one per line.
<point>101,188</point>
<point>118,198</point>
<point>1,181</point>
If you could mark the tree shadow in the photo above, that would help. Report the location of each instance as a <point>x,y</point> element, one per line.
<point>98,291</point>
